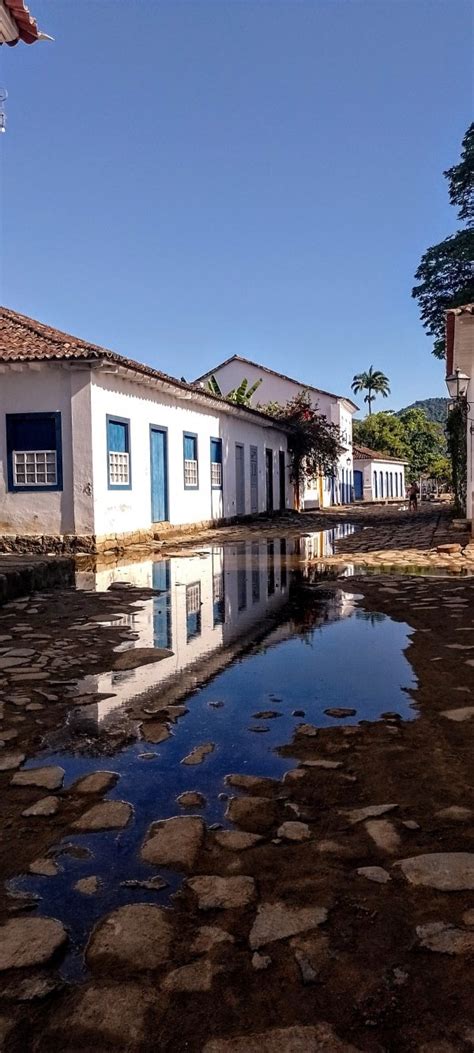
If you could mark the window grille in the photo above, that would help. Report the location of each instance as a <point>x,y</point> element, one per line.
<point>119,468</point>
<point>190,473</point>
<point>35,468</point>
<point>216,474</point>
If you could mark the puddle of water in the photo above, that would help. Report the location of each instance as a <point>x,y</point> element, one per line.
<point>246,628</point>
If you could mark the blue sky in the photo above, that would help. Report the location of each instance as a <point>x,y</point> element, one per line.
<point>184,181</point>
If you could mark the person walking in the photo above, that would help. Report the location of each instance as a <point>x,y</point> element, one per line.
<point>413,497</point>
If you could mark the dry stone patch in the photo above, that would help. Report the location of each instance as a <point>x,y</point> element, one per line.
<point>46,806</point>
<point>198,754</point>
<point>136,937</point>
<point>462,714</point>
<point>237,840</point>
<point>294,831</point>
<point>377,874</point>
<point>49,778</point>
<point>447,871</point>
<point>96,782</point>
<point>194,977</point>
<point>155,732</point>
<point>277,921</point>
<point>30,941</point>
<point>44,867</point>
<point>108,815</point>
<point>255,814</point>
<point>208,937</point>
<point>445,939</point>
<point>191,799</point>
<point>109,1011</point>
<point>223,893</point>
<point>10,761</point>
<point>372,811</point>
<point>88,886</point>
<point>174,842</point>
<point>384,834</point>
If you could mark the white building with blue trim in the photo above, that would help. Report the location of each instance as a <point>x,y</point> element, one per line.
<point>97,450</point>
<point>378,476</point>
<point>337,489</point>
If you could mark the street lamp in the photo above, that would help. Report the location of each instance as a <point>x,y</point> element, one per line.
<point>457,384</point>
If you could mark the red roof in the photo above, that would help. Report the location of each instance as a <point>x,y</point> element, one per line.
<point>364,453</point>
<point>23,339</point>
<point>27,26</point>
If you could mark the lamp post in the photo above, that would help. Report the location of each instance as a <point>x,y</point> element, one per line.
<point>457,384</point>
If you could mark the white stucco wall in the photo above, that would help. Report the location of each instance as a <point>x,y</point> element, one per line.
<point>48,388</point>
<point>279,389</point>
<point>372,492</point>
<point>86,505</point>
<point>130,510</point>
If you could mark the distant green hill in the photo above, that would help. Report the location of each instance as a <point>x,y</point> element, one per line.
<point>435,409</point>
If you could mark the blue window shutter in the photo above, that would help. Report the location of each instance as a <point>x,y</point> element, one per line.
<point>216,451</point>
<point>118,436</point>
<point>34,431</point>
<point>190,448</point>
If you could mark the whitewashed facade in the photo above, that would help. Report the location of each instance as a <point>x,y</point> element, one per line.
<point>276,387</point>
<point>378,477</point>
<point>96,446</point>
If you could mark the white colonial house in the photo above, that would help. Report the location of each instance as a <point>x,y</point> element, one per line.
<point>276,387</point>
<point>97,449</point>
<point>460,379</point>
<point>378,477</point>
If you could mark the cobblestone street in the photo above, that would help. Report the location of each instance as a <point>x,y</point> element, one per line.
<point>173,881</point>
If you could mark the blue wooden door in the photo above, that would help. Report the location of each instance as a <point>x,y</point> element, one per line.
<point>358,485</point>
<point>253,480</point>
<point>239,480</point>
<point>159,475</point>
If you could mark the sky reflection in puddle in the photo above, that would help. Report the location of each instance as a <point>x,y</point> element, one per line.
<point>249,630</point>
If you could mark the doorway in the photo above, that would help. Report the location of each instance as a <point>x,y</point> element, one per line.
<point>239,480</point>
<point>159,474</point>
<point>282,479</point>
<point>254,480</point>
<point>269,479</point>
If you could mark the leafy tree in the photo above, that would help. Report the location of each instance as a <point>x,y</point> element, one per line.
<point>461,179</point>
<point>410,436</point>
<point>241,395</point>
<point>314,444</point>
<point>425,441</point>
<point>374,382</point>
<point>382,432</point>
<point>445,276</point>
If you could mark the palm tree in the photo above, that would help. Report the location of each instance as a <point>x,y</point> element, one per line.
<point>242,395</point>
<point>374,382</point>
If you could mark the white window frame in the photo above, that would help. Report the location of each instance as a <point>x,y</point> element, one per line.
<point>119,468</point>
<point>34,463</point>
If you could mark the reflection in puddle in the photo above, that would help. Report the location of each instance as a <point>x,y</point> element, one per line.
<point>249,629</point>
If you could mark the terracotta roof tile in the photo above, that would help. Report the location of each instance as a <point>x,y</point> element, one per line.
<point>364,453</point>
<point>23,339</point>
<point>27,26</point>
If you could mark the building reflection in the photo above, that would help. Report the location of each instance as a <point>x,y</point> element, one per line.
<point>206,606</point>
